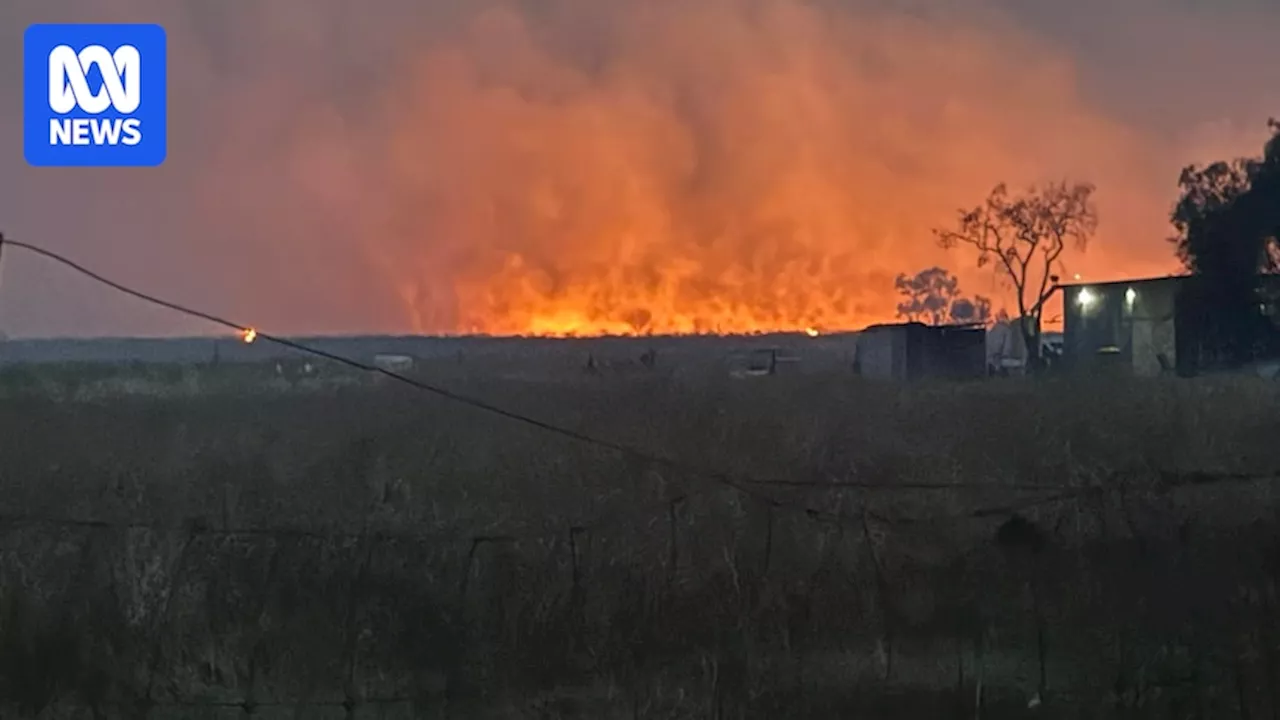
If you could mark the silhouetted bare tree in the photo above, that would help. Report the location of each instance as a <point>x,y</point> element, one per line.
<point>1025,235</point>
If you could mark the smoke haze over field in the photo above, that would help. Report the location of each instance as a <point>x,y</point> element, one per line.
<point>615,165</point>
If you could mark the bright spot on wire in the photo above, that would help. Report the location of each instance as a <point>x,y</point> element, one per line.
<point>249,335</point>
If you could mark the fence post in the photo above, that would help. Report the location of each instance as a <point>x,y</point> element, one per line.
<point>673,556</point>
<point>250,704</point>
<point>476,542</point>
<point>466,573</point>
<point>351,701</point>
<point>885,595</point>
<point>573,558</point>
<point>577,595</point>
<point>94,699</point>
<point>768,540</point>
<point>161,623</point>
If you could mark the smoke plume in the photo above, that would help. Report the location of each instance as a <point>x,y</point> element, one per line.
<point>586,166</point>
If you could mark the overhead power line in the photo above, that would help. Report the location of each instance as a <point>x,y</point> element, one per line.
<point>748,486</point>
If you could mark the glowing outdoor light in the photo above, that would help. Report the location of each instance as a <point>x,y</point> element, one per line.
<point>1086,298</point>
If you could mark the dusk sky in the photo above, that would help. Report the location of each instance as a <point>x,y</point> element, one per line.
<point>546,165</point>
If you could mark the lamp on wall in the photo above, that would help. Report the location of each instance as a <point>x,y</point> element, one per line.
<point>1086,298</point>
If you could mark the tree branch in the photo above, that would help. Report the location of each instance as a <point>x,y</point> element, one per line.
<point>1026,232</point>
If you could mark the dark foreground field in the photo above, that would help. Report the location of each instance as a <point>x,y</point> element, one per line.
<point>383,553</point>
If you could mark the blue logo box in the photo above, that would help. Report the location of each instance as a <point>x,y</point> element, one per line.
<point>95,95</point>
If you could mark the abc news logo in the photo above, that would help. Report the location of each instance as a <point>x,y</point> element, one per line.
<point>69,89</point>
<point>95,95</point>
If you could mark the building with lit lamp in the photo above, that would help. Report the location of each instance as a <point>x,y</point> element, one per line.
<point>1143,327</point>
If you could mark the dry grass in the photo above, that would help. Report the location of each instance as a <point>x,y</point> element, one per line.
<point>1152,602</point>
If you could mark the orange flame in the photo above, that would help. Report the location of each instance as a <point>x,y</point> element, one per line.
<point>719,170</point>
<point>580,167</point>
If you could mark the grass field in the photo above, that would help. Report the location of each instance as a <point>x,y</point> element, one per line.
<point>374,551</point>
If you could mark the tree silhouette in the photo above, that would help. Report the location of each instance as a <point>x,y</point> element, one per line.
<point>933,295</point>
<point>927,295</point>
<point>1024,236</point>
<point>977,310</point>
<point>1227,224</point>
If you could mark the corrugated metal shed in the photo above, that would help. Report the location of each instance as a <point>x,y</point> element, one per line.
<point>912,351</point>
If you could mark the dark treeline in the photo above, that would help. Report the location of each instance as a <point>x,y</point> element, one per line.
<point>1227,223</point>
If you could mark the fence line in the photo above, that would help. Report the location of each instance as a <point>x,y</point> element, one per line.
<point>156,697</point>
<point>754,490</point>
<point>1167,481</point>
<point>749,487</point>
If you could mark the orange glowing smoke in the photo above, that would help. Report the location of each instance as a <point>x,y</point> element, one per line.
<point>650,166</point>
<point>556,166</point>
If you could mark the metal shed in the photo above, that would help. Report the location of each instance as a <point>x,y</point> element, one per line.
<point>913,351</point>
